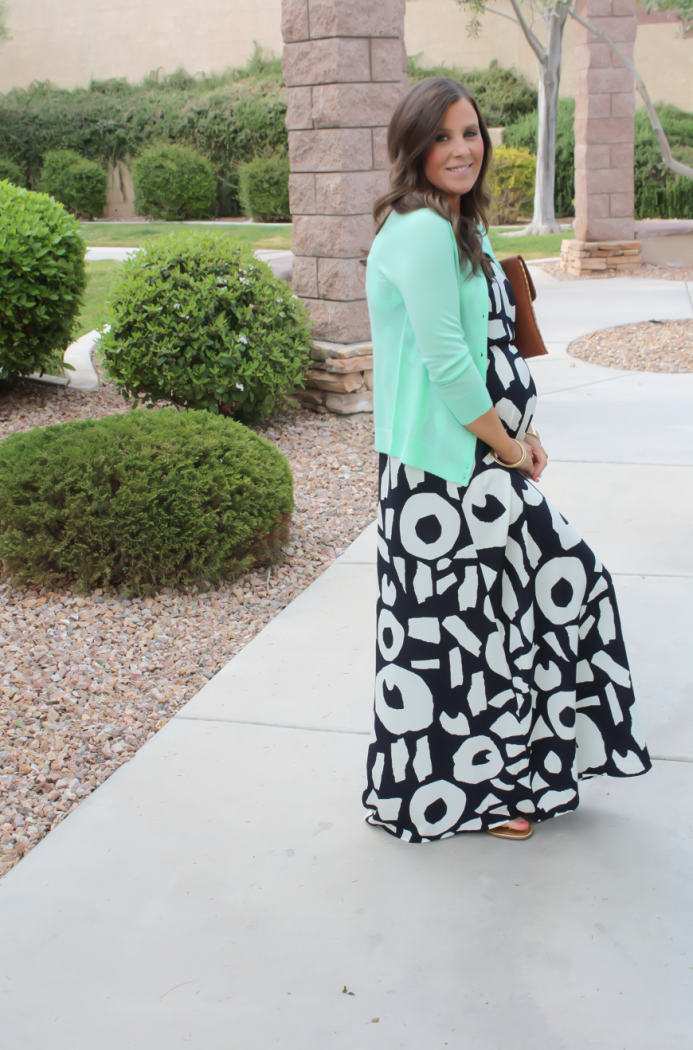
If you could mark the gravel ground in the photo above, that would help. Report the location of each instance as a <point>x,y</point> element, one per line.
<point>85,681</point>
<point>657,273</point>
<point>650,346</point>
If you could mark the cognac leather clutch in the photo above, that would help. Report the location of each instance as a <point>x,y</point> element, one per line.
<point>528,340</point>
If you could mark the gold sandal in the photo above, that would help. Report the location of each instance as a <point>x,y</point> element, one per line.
<point>511,833</point>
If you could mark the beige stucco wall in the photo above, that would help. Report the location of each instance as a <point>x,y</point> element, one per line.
<point>71,41</point>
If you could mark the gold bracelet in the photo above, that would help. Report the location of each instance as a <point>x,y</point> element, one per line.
<point>512,466</point>
<point>531,432</point>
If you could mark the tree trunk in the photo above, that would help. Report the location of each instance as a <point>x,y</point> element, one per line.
<point>544,219</point>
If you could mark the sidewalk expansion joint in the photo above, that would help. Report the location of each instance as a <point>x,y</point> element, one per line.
<point>620,463</point>
<point>269,725</point>
<point>593,382</point>
<point>670,758</point>
<point>657,575</point>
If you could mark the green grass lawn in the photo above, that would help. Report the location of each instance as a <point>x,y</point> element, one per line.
<point>139,234</point>
<point>528,247</point>
<point>128,235</point>
<point>100,279</point>
<point>101,275</point>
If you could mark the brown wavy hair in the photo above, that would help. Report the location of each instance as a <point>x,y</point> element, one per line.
<point>412,131</point>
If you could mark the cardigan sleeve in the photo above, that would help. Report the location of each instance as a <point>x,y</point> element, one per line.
<point>424,271</point>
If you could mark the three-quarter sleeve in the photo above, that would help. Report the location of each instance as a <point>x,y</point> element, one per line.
<point>424,271</point>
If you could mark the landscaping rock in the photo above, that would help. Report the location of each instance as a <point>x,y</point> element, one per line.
<point>86,679</point>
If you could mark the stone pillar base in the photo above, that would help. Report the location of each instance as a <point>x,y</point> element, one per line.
<point>340,379</point>
<point>580,257</point>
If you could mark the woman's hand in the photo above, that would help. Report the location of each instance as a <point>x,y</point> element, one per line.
<point>539,457</point>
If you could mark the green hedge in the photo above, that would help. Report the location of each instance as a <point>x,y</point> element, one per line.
<point>42,280</point>
<point>659,193</point>
<point>230,119</point>
<point>523,135</point>
<point>11,172</point>
<point>199,322</point>
<point>76,182</point>
<point>264,188</point>
<point>503,96</point>
<point>147,499</point>
<point>173,182</point>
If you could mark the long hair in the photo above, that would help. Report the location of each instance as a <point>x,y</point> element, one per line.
<point>412,131</point>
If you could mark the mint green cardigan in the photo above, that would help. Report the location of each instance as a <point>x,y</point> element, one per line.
<point>429,323</point>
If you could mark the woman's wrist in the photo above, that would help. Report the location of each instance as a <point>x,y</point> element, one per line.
<point>509,453</point>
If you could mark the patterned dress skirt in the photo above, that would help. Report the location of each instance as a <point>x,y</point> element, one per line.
<point>501,673</point>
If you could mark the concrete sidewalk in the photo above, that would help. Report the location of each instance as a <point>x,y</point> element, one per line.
<point>221,890</point>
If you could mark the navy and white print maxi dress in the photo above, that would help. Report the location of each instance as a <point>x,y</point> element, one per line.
<point>501,672</point>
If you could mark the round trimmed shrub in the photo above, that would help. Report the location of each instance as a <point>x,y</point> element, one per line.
<point>200,322</point>
<point>173,182</point>
<point>511,181</point>
<point>11,172</point>
<point>76,182</point>
<point>146,499</point>
<point>264,188</point>
<point>42,280</point>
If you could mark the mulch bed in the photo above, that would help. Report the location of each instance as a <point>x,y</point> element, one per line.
<point>86,680</point>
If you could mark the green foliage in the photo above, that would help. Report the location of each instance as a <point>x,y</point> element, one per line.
<point>511,183</point>
<point>683,9</point>
<point>523,135</point>
<point>229,118</point>
<point>173,182</point>
<point>42,280</point>
<point>502,95</point>
<point>659,192</point>
<point>264,188</point>
<point>200,322</point>
<point>74,181</point>
<point>11,171</point>
<point>146,499</point>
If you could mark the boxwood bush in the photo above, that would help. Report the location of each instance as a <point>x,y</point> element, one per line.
<point>145,499</point>
<point>173,182</point>
<point>11,171</point>
<point>42,280</point>
<point>76,182</point>
<point>199,322</point>
<point>264,185</point>
<point>511,183</point>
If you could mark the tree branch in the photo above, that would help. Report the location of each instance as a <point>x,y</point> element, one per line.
<point>532,40</point>
<point>669,159</point>
<point>501,14</point>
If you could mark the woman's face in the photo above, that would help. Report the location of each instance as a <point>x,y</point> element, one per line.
<point>452,164</point>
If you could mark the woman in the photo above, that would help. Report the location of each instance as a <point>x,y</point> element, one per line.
<point>502,677</point>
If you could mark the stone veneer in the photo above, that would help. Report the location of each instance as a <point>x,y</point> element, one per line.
<point>579,257</point>
<point>344,66</point>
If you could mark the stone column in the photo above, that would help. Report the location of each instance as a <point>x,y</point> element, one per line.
<point>345,69</point>
<point>604,110</point>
